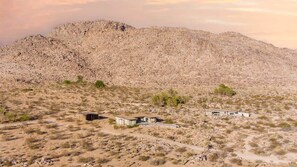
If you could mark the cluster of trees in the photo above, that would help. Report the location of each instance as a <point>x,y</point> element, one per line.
<point>224,90</point>
<point>169,98</point>
<point>80,80</point>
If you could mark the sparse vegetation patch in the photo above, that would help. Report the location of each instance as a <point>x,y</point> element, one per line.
<point>224,90</point>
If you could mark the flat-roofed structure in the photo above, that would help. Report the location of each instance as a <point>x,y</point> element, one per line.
<point>134,120</point>
<point>128,121</point>
<point>227,113</point>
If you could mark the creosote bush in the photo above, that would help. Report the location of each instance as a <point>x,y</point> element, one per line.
<point>67,82</point>
<point>99,84</point>
<point>170,98</point>
<point>158,162</point>
<point>144,158</point>
<point>224,90</point>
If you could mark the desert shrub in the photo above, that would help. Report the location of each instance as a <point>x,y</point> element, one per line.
<point>229,149</point>
<point>67,82</point>
<point>176,161</point>
<point>111,121</point>
<point>51,126</point>
<point>86,159</point>
<point>158,162</point>
<point>155,134</point>
<point>281,152</point>
<point>99,84</point>
<point>33,130</point>
<point>2,110</point>
<point>170,98</point>
<point>293,150</point>
<point>263,117</point>
<point>224,90</point>
<point>11,117</point>
<point>132,126</point>
<point>80,79</point>
<point>181,150</point>
<point>236,161</point>
<point>24,118</point>
<point>102,160</point>
<point>33,143</point>
<point>144,158</point>
<point>253,144</point>
<point>160,154</point>
<point>213,157</point>
<point>66,145</point>
<point>168,121</point>
<point>159,148</point>
<point>87,145</point>
<point>8,137</point>
<point>274,143</point>
<point>284,125</point>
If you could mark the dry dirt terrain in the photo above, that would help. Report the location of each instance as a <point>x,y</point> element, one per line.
<point>43,126</point>
<point>48,82</point>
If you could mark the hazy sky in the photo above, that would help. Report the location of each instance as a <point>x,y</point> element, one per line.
<point>273,21</point>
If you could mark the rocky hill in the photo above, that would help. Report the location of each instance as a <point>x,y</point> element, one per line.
<point>157,56</point>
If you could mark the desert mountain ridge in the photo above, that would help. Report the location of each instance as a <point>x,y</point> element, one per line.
<point>156,56</point>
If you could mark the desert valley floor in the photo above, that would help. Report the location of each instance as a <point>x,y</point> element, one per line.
<point>42,125</point>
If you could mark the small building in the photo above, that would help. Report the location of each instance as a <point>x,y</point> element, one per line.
<point>243,114</point>
<point>89,116</point>
<point>134,120</point>
<point>227,113</point>
<point>217,113</point>
<point>126,121</point>
<point>148,119</point>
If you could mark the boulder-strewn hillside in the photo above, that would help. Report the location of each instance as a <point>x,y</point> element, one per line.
<point>156,56</point>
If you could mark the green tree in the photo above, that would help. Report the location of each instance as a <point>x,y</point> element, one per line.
<point>170,98</point>
<point>224,90</point>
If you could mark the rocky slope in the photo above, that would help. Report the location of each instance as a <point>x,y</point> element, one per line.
<point>156,56</point>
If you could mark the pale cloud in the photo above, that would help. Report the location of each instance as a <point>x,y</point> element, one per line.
<point>164,2</point>
<point>219,1</point>
<point>68,2</point>
<point>263,10</point>
<point>223,22</point>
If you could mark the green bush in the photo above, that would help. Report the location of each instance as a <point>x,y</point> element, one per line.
<point>11,117</point>
<point>224,90</point>
<point>24,118</point>
<point>100,84</point>
<point>170,98</point>
<point>67,82</point>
